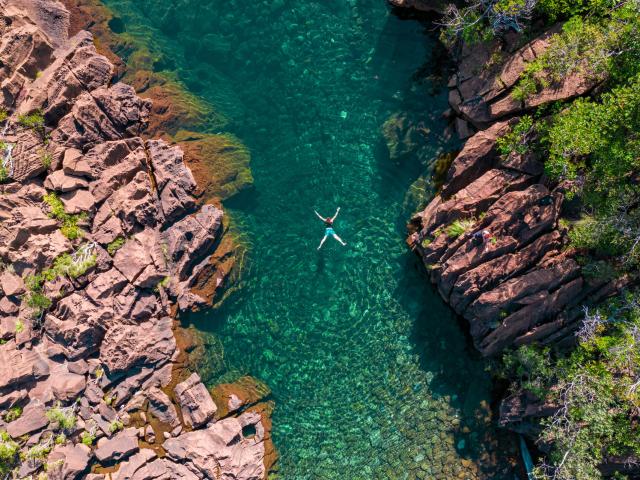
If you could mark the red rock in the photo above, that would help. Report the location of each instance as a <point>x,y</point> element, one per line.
<point>120,446</point>
<point>195,402</point>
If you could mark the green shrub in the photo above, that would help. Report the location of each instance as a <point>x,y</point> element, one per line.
<point>33,120</point>
<point>65,265</point>
<point>46,158</point>
<point>19,326</point>
<point>12,414</point>
<point>9,451</point>
<point>3,114</point>
<point>555,10</point>
<point>518,139</point>
<point>595,387</point>
<point>115,426</point>
<point>64,418</point>
<point>116,245</point>
<point>87,438</point>
<point>38,302</point>
<point>38,452</point>
<point>70,228</point>
<point>459,227</point>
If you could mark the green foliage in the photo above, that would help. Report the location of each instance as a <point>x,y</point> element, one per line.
<point>63,418</point>
<point>70,228</point>
<point>593,48</point>
<point>3,114</point>
<point>555,10</point>
<point>33,120</point>
<point>4,174</point>
<point>595,387</point>
<point>459,227</point>
<point>19,326</point>
<point>46,158</point>
<point>38,452</point>
<point>116,245</point>
<point>9,451</point>
<point>65,265</point>
<point>87,438</point>
<point>38,302</point>
<point>115,426</point>
<point>518,139</point>
<point>60,439</point>
<point>12,414</point>
<point>530,367</point>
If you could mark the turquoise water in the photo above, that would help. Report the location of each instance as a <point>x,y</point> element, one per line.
<point>370,372</point>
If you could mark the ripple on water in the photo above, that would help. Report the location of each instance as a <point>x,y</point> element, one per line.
<point>369,370</point>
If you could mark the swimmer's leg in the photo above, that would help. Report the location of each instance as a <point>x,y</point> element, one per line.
<point>322,242</point>
<point>338,239</point>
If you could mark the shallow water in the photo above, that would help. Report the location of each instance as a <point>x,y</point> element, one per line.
<point>371,374</point>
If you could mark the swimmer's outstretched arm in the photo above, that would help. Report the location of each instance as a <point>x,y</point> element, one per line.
<point>337,212</point>
<point>319,216</point>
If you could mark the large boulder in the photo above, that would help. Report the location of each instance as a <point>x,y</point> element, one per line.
<point>129,347</point>
<point>233,446</point>
<point>195,402</point>
<point>68,462</point>
<point>118,447</point>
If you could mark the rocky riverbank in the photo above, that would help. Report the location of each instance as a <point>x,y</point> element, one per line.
<point>105,238</point>
<point>522,284</point>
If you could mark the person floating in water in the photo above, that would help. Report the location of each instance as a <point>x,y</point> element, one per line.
<point>328,223</point>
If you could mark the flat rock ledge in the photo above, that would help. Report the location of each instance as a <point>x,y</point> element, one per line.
<point>101,242</point>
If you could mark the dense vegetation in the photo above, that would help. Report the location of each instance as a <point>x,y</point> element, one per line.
<point>591,149</point>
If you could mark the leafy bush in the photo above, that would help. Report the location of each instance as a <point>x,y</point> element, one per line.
<point>39,302</point>
<point>8,453</point>
<point>70,228</point>
<point>87,438</point>
<point>3,114</point>
<point>530,367</point>
<point>64,418</point>
<point>46,158</point>
<point>518,139</point>
<point>554,10</point>
<point>459,227</point>
<point>12,414</point>
<point>595,387</point>
<point>65,265</point>
<point>19,326</point>
<point>594,48</point>
<point>116,245</point>
<point>33,120</point>
<point>115,426</point>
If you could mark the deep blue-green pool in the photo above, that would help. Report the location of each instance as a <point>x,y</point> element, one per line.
<point>370,372</point>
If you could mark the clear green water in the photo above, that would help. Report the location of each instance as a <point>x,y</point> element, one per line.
<point>371,374</point>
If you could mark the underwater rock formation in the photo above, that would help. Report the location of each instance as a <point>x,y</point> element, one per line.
<point>101,242</point>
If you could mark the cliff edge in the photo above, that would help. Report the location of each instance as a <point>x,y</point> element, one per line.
<point>101,243</point>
